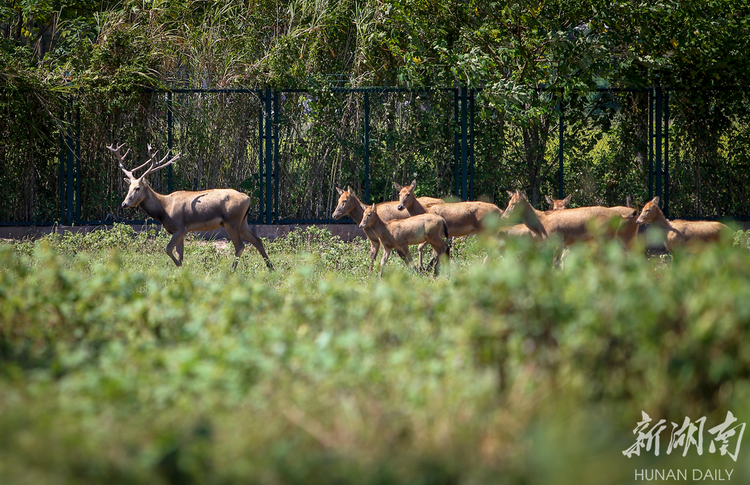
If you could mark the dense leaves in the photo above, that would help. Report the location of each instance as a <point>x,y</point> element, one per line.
<point>117,366</point>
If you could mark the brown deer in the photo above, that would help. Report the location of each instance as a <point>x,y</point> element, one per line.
<point>573,225</point>
<point>679,232</point>
<point>350,205</point>
<point>463,218</point>
<point>628,229</point>
<point>184,211</point>
<point>400,234</point>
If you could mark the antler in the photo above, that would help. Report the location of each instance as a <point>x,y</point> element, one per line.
<point>151,155</point>
<point>121,158</point>
<point>156,166</point>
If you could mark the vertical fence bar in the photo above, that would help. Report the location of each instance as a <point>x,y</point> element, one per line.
<point>651,143</point>
<point>456,145</point>
<point>464,143</point>
<point>269,157</point>
<point>666,153</point>
<point>261,138</point>
<point>561,155</point>
<point>367,147</point>
<point>77,216</point>
<point>63,152</point>
<point>276,155</point>
<point>658,141</point>
<point>69,179</point>
<point>471,145</point>
<point>170,132</point>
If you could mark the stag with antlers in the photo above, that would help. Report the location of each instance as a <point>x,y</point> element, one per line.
<point>184,211</point>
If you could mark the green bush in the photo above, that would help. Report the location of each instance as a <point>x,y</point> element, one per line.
<point>117,366</point>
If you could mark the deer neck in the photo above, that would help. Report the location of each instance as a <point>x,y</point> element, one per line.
<point>660,221</point>
<point>415,208</point>
<point>380,230</point>
<point>153,204</point>
<point>356,212</point>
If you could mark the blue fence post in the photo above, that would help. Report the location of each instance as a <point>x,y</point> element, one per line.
<point>658,141</point>
<point>464,143</point>
<point>269,158</point>
<point>456,144</point>
<point>77,214</point>
<point>561,154</point>
<point>170,131</point>
<point>275,128</point>
<point>651,143</point>
<point>471,145</point>
<point>69,172</point>
<point>367,147</point>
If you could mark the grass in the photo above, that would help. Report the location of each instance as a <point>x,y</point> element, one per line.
<point>118,367</point>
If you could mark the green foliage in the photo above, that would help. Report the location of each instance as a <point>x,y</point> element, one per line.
<point>527,58</point>
<point>115,365</point>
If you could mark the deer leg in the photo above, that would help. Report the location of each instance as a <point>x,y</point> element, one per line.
<point>405,254</point>
<point>177,240</point>
<point>386,255</point>
<point>180,248</point>
<point>253,239</point>
<point>239,246</point>
<point>374,248</point>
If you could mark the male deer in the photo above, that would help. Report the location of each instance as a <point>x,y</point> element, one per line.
<point>185,211</point>
<point>350,205</point>
<point>679,232</point>
<point>400,234</point>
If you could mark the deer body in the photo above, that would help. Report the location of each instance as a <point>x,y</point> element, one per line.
<point>350,205</point>
<point>627,230</point>
<point>181,212</point>
<point>463,218</point>
<point>679,232</point>
<point>573,225</point>
<point>400,234</point>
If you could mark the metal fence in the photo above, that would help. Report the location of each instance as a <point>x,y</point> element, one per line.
<point>289,149</point>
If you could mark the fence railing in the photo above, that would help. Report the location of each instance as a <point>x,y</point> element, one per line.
<point>277,146</point>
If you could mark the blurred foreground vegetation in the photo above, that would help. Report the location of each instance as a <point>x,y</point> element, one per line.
<point>117,367</point>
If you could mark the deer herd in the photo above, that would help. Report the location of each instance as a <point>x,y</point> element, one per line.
<point>410,220</point>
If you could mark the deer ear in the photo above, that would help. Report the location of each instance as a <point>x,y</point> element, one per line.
<point>549,200</point>
<point>510,193</point>
<point>127,180</point>
<point>567,199</point>
<point>364,207</point>
<point>656,200</point>
<point>339,191</point>
<point>413,184</point>
<point>397,186</point>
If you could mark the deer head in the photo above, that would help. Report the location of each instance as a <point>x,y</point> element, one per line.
<point>517,199</point>
<point>370,213</point>
<point>650,211</point>
<point>405,194</point>
<point>345,203</point>
<point>138,186</point>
